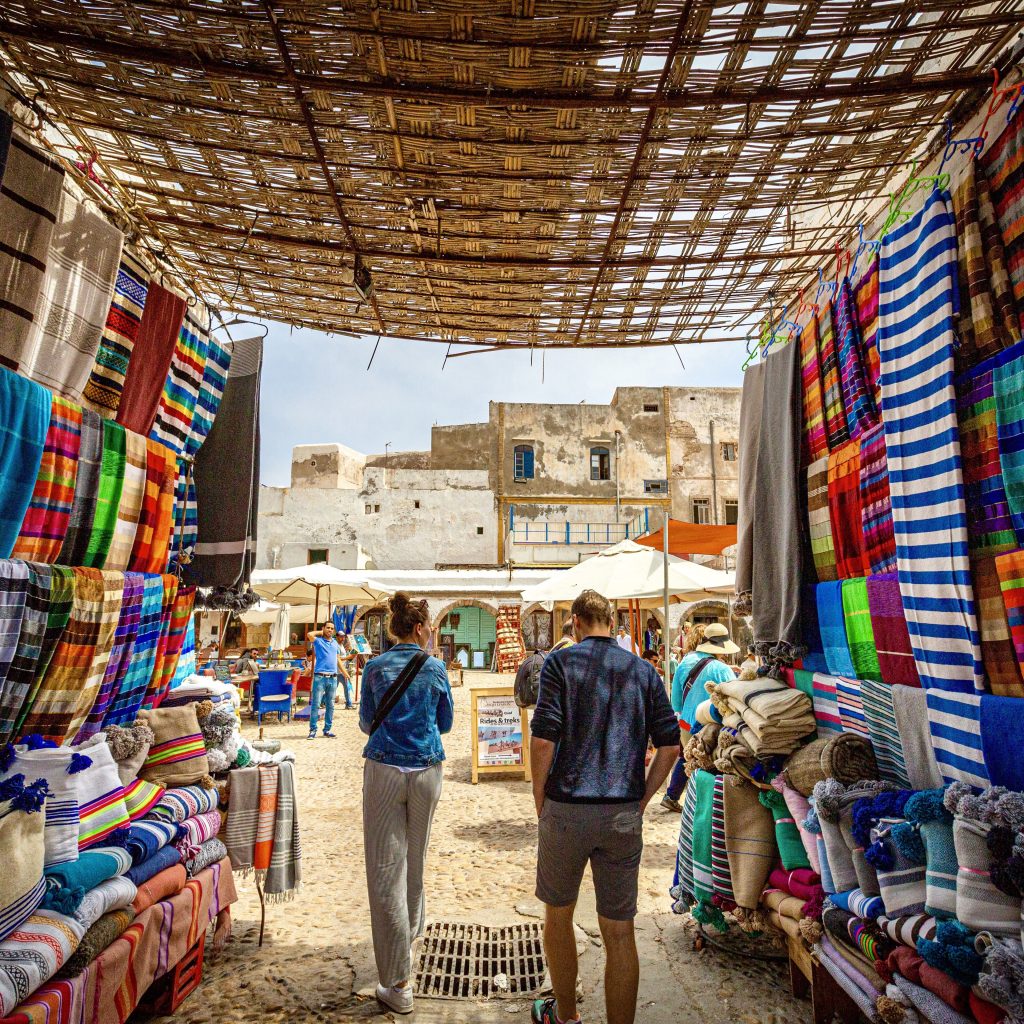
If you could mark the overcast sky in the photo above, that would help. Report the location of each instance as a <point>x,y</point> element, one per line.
<point>317,388</point>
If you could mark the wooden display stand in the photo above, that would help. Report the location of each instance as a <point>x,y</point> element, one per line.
<point>501,744</point>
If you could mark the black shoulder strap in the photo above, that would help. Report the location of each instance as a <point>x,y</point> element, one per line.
<point>398,687</point>
<point>696,671</point>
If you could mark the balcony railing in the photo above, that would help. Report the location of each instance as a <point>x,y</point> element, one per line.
<point>526,531</point>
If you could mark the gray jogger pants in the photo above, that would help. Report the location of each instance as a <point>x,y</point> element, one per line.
<point>398,808</point>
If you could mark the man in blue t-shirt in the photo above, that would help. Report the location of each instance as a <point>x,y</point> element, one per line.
<point>326,654</point>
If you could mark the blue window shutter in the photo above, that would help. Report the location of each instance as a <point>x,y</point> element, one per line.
<point>528,463</point>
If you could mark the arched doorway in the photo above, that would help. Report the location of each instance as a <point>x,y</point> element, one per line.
<point>467,634</point>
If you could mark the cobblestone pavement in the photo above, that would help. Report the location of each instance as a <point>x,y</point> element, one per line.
<point>316,964</point>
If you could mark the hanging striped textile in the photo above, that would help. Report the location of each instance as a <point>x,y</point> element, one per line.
<point>889,627</point>
<point>1008,388</point>
<point>845,512</point>
<point>15,688</point>
<point>916,338</point>
<point>1010,571</point>
<point>1002,164</point>
<point>954,720</point>
<point>23,430</point>
<point>184,379</point>
<point>186,511</point>
<point>128,699</point>
<point>815,443</point>
<point>121,654</point>
<point>58,613</point>
<point>87,486</point>
<point>721,879</point>
<point>858,396</point>
<point>836,431</point>
<point>865,295</point>
<point>49,511</point>
<point>14,588</point>
<point>851,706</point>
<point>153,532</point>
<point>129,508</point>
<point>884,733</point>
<point>826,705</point>
<point>875,506</point>
<point>989,524</point>
<point>108,500</point>
<point>180,616</point>
<point>1002,669</point>
<point>859,634</point>
<point>988,322</point>
<point>819,520</point>
<point>106,381</point>
<point>153,691</point>
<point>833,629</point>
<point>76,671</point>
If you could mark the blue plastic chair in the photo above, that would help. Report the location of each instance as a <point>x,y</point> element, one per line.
<point>273,693</point>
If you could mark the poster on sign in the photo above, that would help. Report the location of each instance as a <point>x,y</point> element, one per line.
<point>501,740</point>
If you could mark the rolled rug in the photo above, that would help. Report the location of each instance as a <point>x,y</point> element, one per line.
<point>212,851</point>
<point>856,828</point>
<point>931,1007</point>
<point>907,930</point>
<point>101,934</point>
<point>854,901</point>
<point>145,838</point>
<point>787,835</point>
<point>185,802</point>
<point>30,957</point>
<point>935,824</point>
<point>196,831</point>
<point>849,759</point>
<point>831,800</point>
<point>1002,976</point>
<point>164,858</point>
<point>803,884</point>
<point>141,797</point>
<point>812,825</point>
<point>952,952</point>
<point>787,925</point>
<point>830,962</point>
<point>159,887</point>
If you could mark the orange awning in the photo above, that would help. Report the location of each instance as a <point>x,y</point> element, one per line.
<point>692,539</point>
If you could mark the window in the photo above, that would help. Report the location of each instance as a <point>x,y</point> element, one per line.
<point>415,504</point>
<point>367,509</point>
<point>479,531</point>
<point>729,451</point>
<point>600,464</point>
<point>376,508</point>
<point>732,513</point>
<point>702,511</point>
<point>650,406</point>
<point>316,555</point>
<point>655,487</point>
<point>522,456</point>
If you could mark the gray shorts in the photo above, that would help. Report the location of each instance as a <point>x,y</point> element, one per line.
<point>610,836</point>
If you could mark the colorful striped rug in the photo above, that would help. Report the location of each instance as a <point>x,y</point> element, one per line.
<point>833,629</point>
<point>108,498</point>
<point>819,518</point>
<point>875,505</point>
<point>883,731</point>
<point>858,396</point>
<point>87,486</point>
<point>826,705</point>
<point>954,720</point>
<point>836,430</point>
<point>815,443</point>
<point>916,339</point>
<point>1008,388</point>
<point>121,655</point>
<point>844,500</point>
<point>46,520</point>
<point>1010,571</point>
<point>23,430</point>
<point>1002,165</point>
<point>865,294</point>
<point>154,691</point>
<point>152,535</point>
<point>129,508</point>
<point>889,627</point>
<point>851,706</point>
<point>989,524</point>
<point>988,321</point>
<point>16,675</point>
<point>720,878</point>
<point>180,616</point>
<point>175,412</point>
<point>106,380</point>
<point>132,689</point>
<point>1002,667</point>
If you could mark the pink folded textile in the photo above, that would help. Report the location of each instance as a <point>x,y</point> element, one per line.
<point>197,830</point>
<point>799,808</point>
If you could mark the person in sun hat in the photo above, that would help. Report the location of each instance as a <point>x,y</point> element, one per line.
<point>707,645</point>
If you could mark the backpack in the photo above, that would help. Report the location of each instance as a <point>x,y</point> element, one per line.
<point>527,685</point>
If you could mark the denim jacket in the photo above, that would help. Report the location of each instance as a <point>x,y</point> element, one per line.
<point>410,737</point>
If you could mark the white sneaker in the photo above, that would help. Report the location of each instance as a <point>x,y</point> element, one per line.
<point>397,999</point>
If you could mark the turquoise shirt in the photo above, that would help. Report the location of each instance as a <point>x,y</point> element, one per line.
<point>714,671</point>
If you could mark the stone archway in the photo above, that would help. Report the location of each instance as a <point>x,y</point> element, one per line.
<point>465,602</point>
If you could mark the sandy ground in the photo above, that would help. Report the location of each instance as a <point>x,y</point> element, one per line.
<point>316,963</point>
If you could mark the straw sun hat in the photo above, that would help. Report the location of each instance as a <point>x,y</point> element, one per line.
<point>716,641</point>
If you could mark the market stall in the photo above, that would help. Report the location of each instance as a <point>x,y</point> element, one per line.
<point>863,793</point>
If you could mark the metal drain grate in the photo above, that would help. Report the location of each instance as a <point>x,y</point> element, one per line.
<point>461,961</point>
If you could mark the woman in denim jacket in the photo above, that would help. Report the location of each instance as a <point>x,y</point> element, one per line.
<point>401,787</point>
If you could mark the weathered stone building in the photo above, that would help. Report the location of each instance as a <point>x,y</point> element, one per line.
<point>536,485</point>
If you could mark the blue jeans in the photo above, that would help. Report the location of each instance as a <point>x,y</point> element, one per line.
<point>325,688</point>
<point>677,783</point>
<point>347,683</point>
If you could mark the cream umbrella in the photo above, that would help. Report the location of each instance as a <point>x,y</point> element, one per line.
<point>317,584</point>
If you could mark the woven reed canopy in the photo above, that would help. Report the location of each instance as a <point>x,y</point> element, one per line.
<point>504,172</point>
